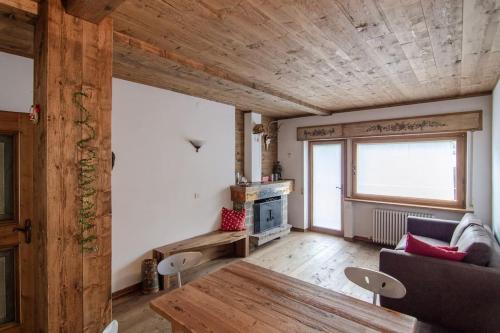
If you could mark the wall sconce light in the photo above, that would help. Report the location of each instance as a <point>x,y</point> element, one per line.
<point>197,144</point>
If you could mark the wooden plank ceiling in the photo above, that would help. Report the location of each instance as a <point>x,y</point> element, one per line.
<point>288,58</point>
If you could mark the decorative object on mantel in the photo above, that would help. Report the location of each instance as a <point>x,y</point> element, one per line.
<point>149,273</point>
<point>197,144</point>
<point>449,122</point>
<point>34,114</point>
<point>277,170</point>
<point>87,164</point>
<point>268,137</point>
<point>258,129</point>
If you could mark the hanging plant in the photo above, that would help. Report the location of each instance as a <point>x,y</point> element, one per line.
<point>87,166</point>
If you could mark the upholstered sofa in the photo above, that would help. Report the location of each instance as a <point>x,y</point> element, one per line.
<point>463,296</point>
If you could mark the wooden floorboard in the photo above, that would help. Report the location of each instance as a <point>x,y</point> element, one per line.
<point>312,257</point>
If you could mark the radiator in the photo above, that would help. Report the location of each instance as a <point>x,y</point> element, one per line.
<point>390,225</point>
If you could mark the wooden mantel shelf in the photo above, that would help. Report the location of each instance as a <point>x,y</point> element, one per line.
<point>256,191</point>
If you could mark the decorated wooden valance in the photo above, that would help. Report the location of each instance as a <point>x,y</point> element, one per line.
<point>450,122</point>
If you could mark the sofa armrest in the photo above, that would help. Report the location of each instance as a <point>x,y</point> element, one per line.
<point>456,295</point>
<point>433,228</point>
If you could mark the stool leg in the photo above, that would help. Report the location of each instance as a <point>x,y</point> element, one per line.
<point>374,299</point>
<point>179,283</point>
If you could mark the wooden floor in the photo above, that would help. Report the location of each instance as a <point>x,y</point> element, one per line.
<point>316,258</point>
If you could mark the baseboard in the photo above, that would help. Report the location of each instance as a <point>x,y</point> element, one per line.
<point>126,291</point>
<point>363,239</point>
<point>299,229</point>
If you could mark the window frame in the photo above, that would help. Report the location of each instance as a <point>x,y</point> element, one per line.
<point>461,139</point>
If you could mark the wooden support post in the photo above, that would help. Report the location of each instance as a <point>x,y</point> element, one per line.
<point>71,55</point>
<point>242,247</point>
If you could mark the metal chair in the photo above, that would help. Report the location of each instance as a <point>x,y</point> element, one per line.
<point>112,327</point>
<point>377,282</point>
<point>179,262</point>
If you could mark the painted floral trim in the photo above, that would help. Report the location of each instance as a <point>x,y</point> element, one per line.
<point>405,126</point>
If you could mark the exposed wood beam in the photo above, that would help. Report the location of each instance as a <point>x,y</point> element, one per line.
<point>212,70</point>
<point>16,31</point>
<point>92,10</point>
<point>418,101</point>
<point>27,6</point>
<point>71,55</point>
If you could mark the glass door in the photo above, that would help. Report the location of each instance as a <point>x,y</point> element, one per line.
<point>326,186</point>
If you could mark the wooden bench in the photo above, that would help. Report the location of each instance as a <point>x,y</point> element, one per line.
<point>213,245</point>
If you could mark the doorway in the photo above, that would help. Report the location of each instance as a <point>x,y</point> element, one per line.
<point>17,242</point>
<point>326,184</point>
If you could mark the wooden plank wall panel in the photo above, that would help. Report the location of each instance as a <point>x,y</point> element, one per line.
<point>74,291</point>
<point>92,10</point>
<point>239,142</point>
<point>269,157</point>
<point>97,81</point>
<point>16,31</point>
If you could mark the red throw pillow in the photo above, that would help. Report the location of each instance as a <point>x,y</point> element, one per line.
<point>449,248</point>
<point>233,220</point>
<point>416,246</point>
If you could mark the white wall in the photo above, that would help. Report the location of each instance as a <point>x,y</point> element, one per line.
<point>158,172</point>
<point>16,83</point>
<point>496,160</point>
<point>291,153</point>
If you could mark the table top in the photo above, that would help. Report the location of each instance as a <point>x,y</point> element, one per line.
<point>243,297</point>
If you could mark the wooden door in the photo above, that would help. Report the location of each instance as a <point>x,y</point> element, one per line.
<point>17,232</point>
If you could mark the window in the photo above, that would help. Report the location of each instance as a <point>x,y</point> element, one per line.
<point>427,170</point>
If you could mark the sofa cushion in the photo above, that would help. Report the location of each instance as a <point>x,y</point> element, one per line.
<point>495,249</point>
<point>477,242</point>
<point>416,246</point>
<point>434,242</point>
<point>466,221</point>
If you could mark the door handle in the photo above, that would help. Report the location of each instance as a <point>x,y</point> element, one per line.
<point>338,188</point>
<point>26,230</point>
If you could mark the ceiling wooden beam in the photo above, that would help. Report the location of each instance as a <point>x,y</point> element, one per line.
<point>212,71</point>
<point>92,10</point>
<point>27,6</point>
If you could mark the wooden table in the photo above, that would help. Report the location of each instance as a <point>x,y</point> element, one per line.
<point>243,297</point>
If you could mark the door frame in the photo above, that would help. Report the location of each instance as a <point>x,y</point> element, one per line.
<point>343,176</point>
<point>22,130</point>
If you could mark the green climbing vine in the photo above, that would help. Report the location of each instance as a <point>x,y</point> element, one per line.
<point>87,165</point>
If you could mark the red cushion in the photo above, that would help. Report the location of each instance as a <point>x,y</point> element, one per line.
<point>416,246</point>
<point>449,248</point>
<point>233,220</point>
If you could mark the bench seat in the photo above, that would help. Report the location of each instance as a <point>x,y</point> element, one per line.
<point>213,245</point>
